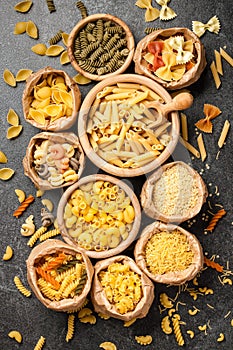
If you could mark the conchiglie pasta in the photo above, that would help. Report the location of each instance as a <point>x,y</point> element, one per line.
<point>23,74</point>
<point>12,117</point>
<point>65,37</point>
<point>20,28</point>
<point>6,173</point>
<point>64,59</point>
<point>9,77</point>
<point>39,49</point>
<point>54,50</point>
<point>23,6</point>
<point>80,79</point>
<point>3,157</point>
<point>14,131</point>
<point>32,30</point>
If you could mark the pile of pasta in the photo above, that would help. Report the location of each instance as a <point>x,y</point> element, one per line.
<point>56,162</point>
<point>99,215</point>
<point>168,251</point>
<point>169,59</point>
<point>122,286</point>
<point>61,276</point>
<point>101,47</point>
<point>52,99</point>
<point>122,130</point>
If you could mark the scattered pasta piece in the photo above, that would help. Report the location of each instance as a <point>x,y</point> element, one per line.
<point>184,126</point>
<point>50,234</point>
<point>48,204</point>
<point>177,329</point>
<point>190,333</point>
<point>23,6</point>
<point>88,319</point>
<point>81,80</point>
<point>36,236</point>
<point>23,74</point>
<point>28,228</point>
<point>12,117</point>
<point>227,281</point>
<point>23,290</point>
<point>65,37</point>
<point>165,325</point>
<point>193,312</point>
<point>64,59</point>
<point>232,322</point>
<point>201,146</point>
<point>215,75</point>
<point>144,339</point>
<point>151,13</point>
<point>39,193</point>
<point>54,50</point>
<point>103,316</point>
<point>15,335</point>
<point>190,148</point>
<point>6,173</point>
<point>20,28</point>
<point>20,194</point>
<point>40,343</point>
<point>210,112</point>
<point>221,337</point>
<point>218,62</point>
<point>107,345</point>
<point>3,157</point>
<point>165,301</point>
<point>129,323</point>
<point>166,13</point>
<point>213,25</point>
<point>227,57</point>
<point>215,219</point>
<point>8,253</point>
<point>32,30</point>
<point>23,206</point>
<point>213,264</point>
<point>13,131</point>
<point>39,49</point>
<point>70,327</point>
<point>9,78</point>
<point>224,133</point>
<point>84,312</point>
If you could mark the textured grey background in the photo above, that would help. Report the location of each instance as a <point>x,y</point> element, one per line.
<point>29,316</point>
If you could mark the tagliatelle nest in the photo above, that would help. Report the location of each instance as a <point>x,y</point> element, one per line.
<point>102,304</point>
<point>48,170</point>
<point>51,100</point>
<point>51,247</point>
<point>149,263</point>
<point>172,74</point>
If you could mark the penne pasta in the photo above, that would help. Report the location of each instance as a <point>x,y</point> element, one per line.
<point>227,57</point>
<point>184,127</point>
<point>128,86</point>
<point>120,96</point>
<point>140,97</point>
<point>120,90</point>
<point>215,75</point>
<point>107,90</point>
<point>224,133</point>
<point>201,146</point>
<point>190,148</point>
<point>218,62</point>
<point>151,93</point>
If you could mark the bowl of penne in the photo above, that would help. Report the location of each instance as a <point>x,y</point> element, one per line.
<point>129,125</point>
<point>51,100</point>
<point>173,57</point>
<point>100,46</point>
<point>100,215</point>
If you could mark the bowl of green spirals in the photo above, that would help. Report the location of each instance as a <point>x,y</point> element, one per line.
<point>100,46</point>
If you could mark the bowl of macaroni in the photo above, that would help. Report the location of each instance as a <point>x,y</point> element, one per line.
<point>100,46</point>
<point>129,125</point>
<point>100,215</point>
<point>51,100</point>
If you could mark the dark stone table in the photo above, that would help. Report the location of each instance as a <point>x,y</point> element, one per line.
<point>28,315</point>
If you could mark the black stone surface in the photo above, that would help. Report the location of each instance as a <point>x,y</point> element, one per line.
<point>28,315</point>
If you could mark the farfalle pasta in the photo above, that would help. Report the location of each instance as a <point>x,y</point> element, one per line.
<point>51,98</point>
<point>174,57</point>
<point>54,160</point>
<point>213,25</point>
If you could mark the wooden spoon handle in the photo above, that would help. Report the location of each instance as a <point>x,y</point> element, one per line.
<point>180,102</point>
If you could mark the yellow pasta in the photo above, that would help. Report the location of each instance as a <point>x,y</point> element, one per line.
<point>3,157</point>
<point>88,319</point>
<point>39,345</point>
<point>13,131</point>
<point>8,253</point>
<point>9,77</point>
<point>224,133</point>
<point>20,28</point>
<point>39,49</point>
<point>144,339</point>
<point>28,228</point>
<point>12,117</point>
<point>16,335</point>
<point>84,312</point>
<point>221,337</point>
<point>190,148</point>
<point>48,204</point>
<point>23,6</point>
<point>165,325</point>
<point>32,30</point>
<point>70,327</point>
<point>54,50</point>
<point>108,346</point>
<point>21,287</point>
<point>215,75</point>
<point>81,80</point>
<point>23,74</point>
<point>218,61</point>
<point>184,127</point>
<point>201,146</point>
<point>20,194</point>
<point>226,56</point>
<point>6,173</point>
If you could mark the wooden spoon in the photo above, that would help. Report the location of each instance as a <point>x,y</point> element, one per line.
<point>180,102</point>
